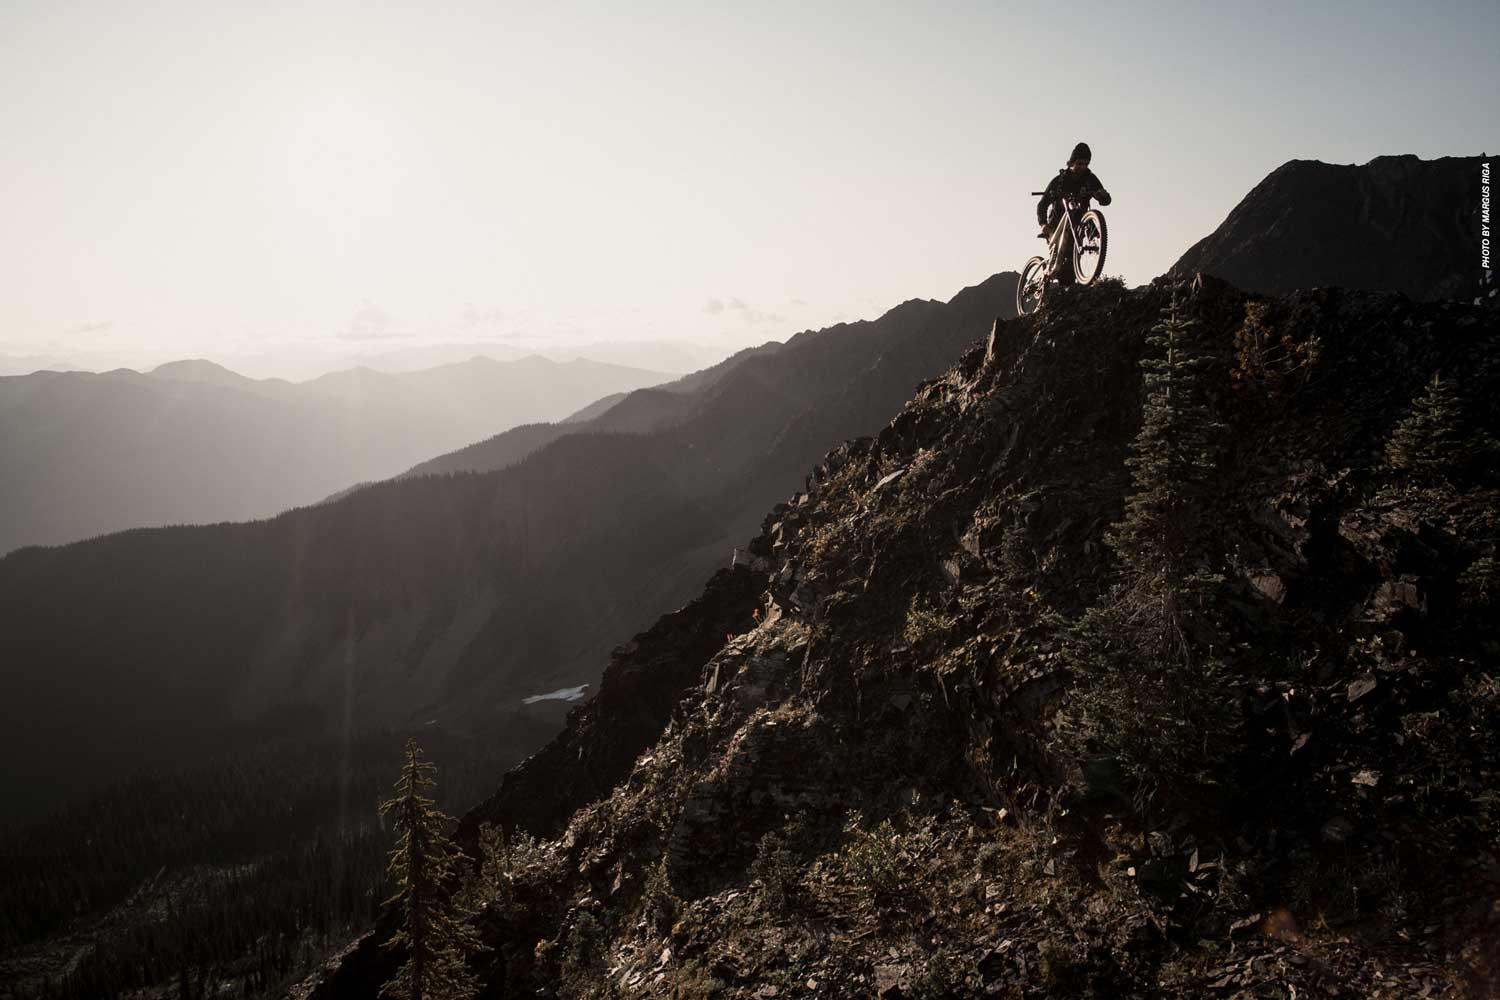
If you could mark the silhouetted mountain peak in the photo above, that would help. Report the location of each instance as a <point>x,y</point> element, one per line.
<point>1396,223</point>
<point>985,289</point>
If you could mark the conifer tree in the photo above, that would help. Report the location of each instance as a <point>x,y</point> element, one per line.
<point>1431,441</point>
<point>1173,456</point>
<point>424,867</point>
<point>1148,702</point>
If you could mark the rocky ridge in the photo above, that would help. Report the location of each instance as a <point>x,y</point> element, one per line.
<point>863,784</point>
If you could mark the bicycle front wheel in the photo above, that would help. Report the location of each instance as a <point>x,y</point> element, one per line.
<point>1030,285</point>
<point>1089,247</point>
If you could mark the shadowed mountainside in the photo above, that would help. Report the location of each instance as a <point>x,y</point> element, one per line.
<point>638,412</point>
<point>445,597</point>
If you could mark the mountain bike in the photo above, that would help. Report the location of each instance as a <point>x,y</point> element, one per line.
<point>1081,229</point>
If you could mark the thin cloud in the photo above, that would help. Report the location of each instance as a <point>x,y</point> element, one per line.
<point>753,316</point>
<point>747,312</point>
<point>474,317</point>
<point>370,323</point>
<point>90,328</point>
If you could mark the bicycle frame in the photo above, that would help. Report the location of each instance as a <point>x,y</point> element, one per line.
<point>1071,207</point>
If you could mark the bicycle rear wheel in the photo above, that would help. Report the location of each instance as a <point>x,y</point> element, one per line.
<point>1088,249</point>
<point>1030,286</point>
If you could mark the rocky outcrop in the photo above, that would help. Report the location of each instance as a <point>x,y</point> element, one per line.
<point>769,773</point>
<point>1397,223</point>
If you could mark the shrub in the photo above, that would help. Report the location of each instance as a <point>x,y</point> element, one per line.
<point>989,855</point>
<point>1268,358</point>
<point>1017,556</point>
<point>939,979</point>
<point>583,957</point>
<point>923,623</point>
<point>1165,720</point>
<point>503,860</point>
<point>694,982</point>
<point>1479,583</point>
<point>873,859</point>
<point>659,906</point>
<point>777,868</point>
<point>884,859</point>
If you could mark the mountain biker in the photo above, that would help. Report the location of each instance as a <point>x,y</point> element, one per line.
<point>1075,181</point>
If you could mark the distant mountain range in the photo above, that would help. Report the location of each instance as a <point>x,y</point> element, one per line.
<point>25,364</point>
<point>656,355</point>
<point>1397,223</point>
<point>83,454</point>
<point>674,356</point>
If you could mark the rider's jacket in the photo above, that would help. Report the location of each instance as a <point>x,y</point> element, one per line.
<point>1082,186</point>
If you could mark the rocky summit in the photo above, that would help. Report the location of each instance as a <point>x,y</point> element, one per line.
<point>1396,223</point>
<point>945,730</point>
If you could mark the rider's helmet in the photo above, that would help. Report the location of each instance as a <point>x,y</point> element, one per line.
<point>1081,152</point>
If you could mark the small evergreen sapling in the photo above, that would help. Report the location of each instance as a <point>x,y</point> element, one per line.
<point>424,868</point>
<point>1433,441</point>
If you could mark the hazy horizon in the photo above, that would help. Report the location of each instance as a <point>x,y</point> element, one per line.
<point>668,359</point>
<point>282,191</point>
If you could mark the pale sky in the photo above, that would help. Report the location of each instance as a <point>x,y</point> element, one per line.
<point>320,180</point>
